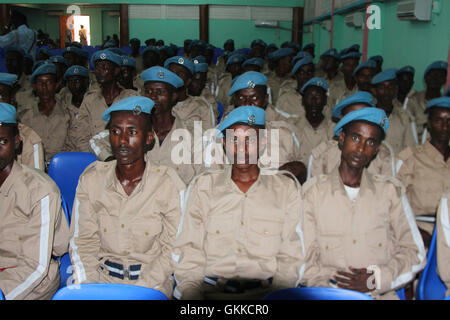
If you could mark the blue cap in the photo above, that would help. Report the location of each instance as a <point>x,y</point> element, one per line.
<point>270,46</point>
<point>8,79</point>
<point>7,113</point>
<point>309,46</point>
<point>128,62</point>
<point>117,51</point>
<point>250,115</point>
<point>439,65</point>
<point>254,61</point>
<point>386,75</point>
<point>257,42</point>
<point>109,44</point>
<point>374,115</point>
<point>45,51</point>
<point>442,102</point>
<point>358,97</point>
<point>46,68</point>
<point>377,58</point>
<point>197,43</point>
<point>200,67</point>
<point>248,80</point>
<point>406,69</point>
<point>331,53</point>
<point>106,55</point>
<point>136,104</point>
<point>199,59</point>
<point>182,61</point>
<point>15,49</point>
<point>367,64</point>
<point>351,55</point>
<point>294,45</point>
<point>235,58</point>
<point>281,53</point>
<point>300,56</point>
<point>160,74</point>
<point>150,49</point>
<point>76,44</point>
<point>76,71</point>
<point>318,82</point>
<point>302,62</point>
<point>77,51</point>
<point>39,63</point>
<point>58,59</point>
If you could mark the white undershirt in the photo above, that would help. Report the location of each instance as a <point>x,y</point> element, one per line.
<point>351,192</point>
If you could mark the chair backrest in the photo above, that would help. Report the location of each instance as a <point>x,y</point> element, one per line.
<point>2,297</point>
<point>316,293</point>
<point>221,111</point>
<point>430,286</point>
<point>65,169</point>
<point>107,291</point>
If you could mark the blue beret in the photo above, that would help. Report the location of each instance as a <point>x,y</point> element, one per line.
<point>182,61</point>
<point>439,65</point>
<point>331,53</point>
<point>354,47</point>
<point>377,58</point>
<point>45,51</point>
<point>294,45</point>
<point>77,51</point>
<point>76,71</point>
<point>137,104</point>
<point>117,51</point>
<point>8,79</point>
<point>281,53</point>
<point>248,80</point>
<point>106,55</point>
<point>442,102</point>
<point>318,82</point>
<point>197,43</point>
<point>300,56</point>
<point>358,97</point>
<point>46,68</point>
<point>302,62</point>
<point>39,63</point>
<point>309,46</point>
<point>200,67</point>
<point>199,59</point>
<point>254,61</point>
<point>406,69</point>
<point>15,49</point>
<point>150,49</point>
<point>76,44</point>
<point>235,58</point>
<point>109,44</point>
<point>160,74</point>
<point>351,55</point>
<point>128,62</point>
<point>367,64</point>
<point>386,75</point>
<point>58,59</point>
<point>374,115</point>
<point>270,46</point>
<point>250,115</point>
<point>7,113</point>
<point>259,42</point>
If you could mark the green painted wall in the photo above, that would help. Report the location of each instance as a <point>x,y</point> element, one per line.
<point>273,3</point>
<point>110,25</point>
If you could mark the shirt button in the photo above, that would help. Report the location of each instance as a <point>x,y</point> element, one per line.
<point>354,241</point>
<point>242,223</point>
<point>265,231</point>
<point>239,250</point>
<point>380,245</point>
<point>178,168</point>
<point>104,230</point>
<point>157,170</point>
<point>146,233</point>
<point>217,232</point>
<point>246,196</point>
<point>20,238</point>
<point>326,247</point>
<point>123,226</point>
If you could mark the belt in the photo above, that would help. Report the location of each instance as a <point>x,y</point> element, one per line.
<point>117,270</point>
<point>237,285</point>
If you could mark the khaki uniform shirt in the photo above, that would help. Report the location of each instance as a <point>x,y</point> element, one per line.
<point>375,230</point>
<point>417,104</point>
<point>139,229</point>
<point>327,156</point>
<point>139,83</point>
<point>274,83</point>
<point>287,86</point>
<point>401,132</point>
<point>52,129</point>
<point>337,87</point>
<point>32,149</point>
<point>426,176</point>
<point>196,109</point>
<point>90,120</point>
<point>290,106</point>
<point>25,99</point>
<point>211,99</point>
<point>223,88</point>
<point>33,227</point>
<point>24,82</point>
<point>443,240</point>
<point>230,234</point>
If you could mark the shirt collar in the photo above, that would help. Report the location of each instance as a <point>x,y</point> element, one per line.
<point>338,186</point>
<point>15,173</point>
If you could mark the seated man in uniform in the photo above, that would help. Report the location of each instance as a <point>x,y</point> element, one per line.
<point>135,45</point>
<point>282,58</point>
<point>425,169</point>
<point>33,228</point>
<point>360,233</point>
<point>333,76</point>
<point>350,62</point>
<point>128,73</point>
<point>233,68</point>
<point>30,151</point>
<point>126,212</point>
<point>443,240</point>
<point>363,75</point>
<point>405,77</point>
<point>240,235</point>
<point>327,155</point>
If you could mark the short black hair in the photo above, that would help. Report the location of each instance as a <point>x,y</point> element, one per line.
<point>382,133</point>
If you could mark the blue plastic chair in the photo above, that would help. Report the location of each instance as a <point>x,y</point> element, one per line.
<point>430,286</point>
<point>65,169</point>
<point>316,293</point>
<point>221,111</point>
<point>2,297</point>
<point>108,291</point>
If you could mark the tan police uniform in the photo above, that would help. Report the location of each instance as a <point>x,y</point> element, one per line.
<point>72,134</point>
<point>213,106</point>
<point>443,240</point>
<point>33,228</point>
<point>223,87</point>
<point>290,106</point>
<point>25,99</point>
<point>116,238</point>
<point>52,129</point>
<point>24,82</point>
<point>341,95</point>
<point>327,156</point>
<point>93,84</point>
<point>139,83</point>
<point>32,153</point>
<point>287,86</point>
<point>416,105</point>
<point>227,234</point>
<point>139,63</point>
<point>90,116</point>
<point>426,176</point>
<point>402,129</point>
<point>376,230</point>
<point>196,109</point>
<point>274,83</point>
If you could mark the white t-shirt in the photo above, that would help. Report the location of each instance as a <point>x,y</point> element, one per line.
<point>351,192</point>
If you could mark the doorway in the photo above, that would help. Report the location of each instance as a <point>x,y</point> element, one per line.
<point>70,26</point>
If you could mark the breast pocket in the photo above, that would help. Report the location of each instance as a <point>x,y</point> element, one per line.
<point>331,251</point>
<point>108,231</point>
<point>264,236</point>
<point>377,246</point>
<point>219,236</point>
<point>145,233</point>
